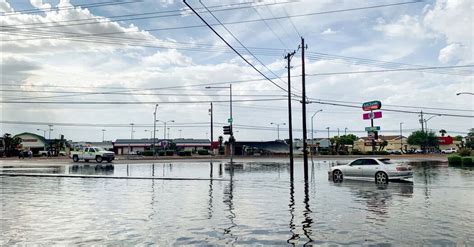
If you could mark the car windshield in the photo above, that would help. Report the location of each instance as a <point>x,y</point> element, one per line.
<point>386,161</point>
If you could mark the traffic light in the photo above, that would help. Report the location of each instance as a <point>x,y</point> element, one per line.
<point>227,130</point>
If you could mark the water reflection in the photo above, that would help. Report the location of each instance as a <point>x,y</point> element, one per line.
<point>91,170</point>
<point>308,221</point>
<point>211,197</point>
<point>228,201</point>
<point>294,236</point>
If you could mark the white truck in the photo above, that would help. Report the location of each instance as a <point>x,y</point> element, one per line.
<point>449,151</point>
<point>92,153</point>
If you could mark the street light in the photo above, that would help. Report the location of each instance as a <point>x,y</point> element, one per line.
<point>345,131</point>
<point>426,121</point>
<point>329,139</point>
<point>103,135</point>
<point>168,129</point>
<point>44,132</point>
<point>464,93</point>
<point>164,127</point>
<point>312,129</point>
<point>231,120</point>
<point>278,128</point>
<point>50,129</point>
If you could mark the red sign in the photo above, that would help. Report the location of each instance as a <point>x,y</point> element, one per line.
<point>372,115</point>
<point>372,105</point>
<point>445,140</point>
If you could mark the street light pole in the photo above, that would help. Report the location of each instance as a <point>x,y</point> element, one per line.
<point>329,139</point>
<point>154,130</point>
<point>401,138</point>
<point>426,122</point>
<point>345,131</point>
<point>464,93</point>
<point>278,128</point>
<point>50,129</point>
<point>103,135</point>
<point>44,132</point>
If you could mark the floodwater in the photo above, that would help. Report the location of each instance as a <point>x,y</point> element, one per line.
<point>254,204</point>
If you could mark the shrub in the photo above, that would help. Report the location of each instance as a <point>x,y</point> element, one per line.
<point>464,152</point>
<point>356,152</point>
<point>324,152</point>
<point>161,153</point>
<point>454,160</point>
<point>203,152</point>
<point>184,153</point>
<point>148,153</point>
<point>169,152</point>
<point>381,153</point>
<point>467,161</point>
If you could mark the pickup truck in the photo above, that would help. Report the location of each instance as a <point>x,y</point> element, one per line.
<point>92,153</point>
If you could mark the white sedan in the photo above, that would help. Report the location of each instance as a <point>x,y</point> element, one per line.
<point>380,169</point>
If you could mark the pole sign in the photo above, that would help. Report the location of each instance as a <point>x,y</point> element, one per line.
<point>371,135</point>
<point>372,115</point>
<point>371,105</point>
<point>229,120</point>
<point>372,129</point>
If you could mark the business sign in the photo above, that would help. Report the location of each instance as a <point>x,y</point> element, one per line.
<point>371,129</point>
<point>445,140</point>
<point>372,105</point>
<point>372,115</point>
<point>371,135</point>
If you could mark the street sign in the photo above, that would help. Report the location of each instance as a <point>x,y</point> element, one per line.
<point>371,135</point>
<point>371,129</point>
<point>371,105</point>
<point>372,115</point>
<point>229,120</point>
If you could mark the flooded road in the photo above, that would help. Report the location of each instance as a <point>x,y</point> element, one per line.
<point>254,204</point>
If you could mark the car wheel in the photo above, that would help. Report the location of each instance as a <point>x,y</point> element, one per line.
<point>98,159</point>
<point>75,158</point>
<point>381,178</point>
<point>337,176</point>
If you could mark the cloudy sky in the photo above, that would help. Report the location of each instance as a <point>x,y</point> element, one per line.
<point>76,53</point>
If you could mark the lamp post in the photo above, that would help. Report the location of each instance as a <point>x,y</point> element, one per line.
<point>103,135</point>
<point>329,139</point>
<point>312,129</point>
<point>345,131</point>
<point>180,133</point>
<point>131,138</point>
<point>338,132</point>
<point>401,138</point>
<point>278,128</point>
<point>50,129</point>
<point>231,120</point>
<point>164,128</point>
<point>168,130</point>
<point>426,121</point>
<point>464,93</point>
<point>154,129</point>
<point>44,132</point>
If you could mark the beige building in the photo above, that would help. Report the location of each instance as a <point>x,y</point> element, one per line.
<point>395,143</point>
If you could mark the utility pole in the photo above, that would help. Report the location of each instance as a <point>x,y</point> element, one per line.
<point>154,130</point>
<point>337,132</point>
<point>401,138</point>
<point>211,113</point>
<point>232,131</point>
<point>303,81</point>
<point>290,121</point>
<point>103,135</point>
<point>50,129</point>
<point>422,122</point>
<point>345,131</point>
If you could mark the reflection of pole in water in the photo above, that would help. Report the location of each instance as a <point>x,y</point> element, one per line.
<point>209,208</point>
<point>128,173</point>
<point>228,200</point>
<point>294,236</point>
<point>220,170</point>
<point>307,217</point>
<point>152,203</point>
<point>153,170</point>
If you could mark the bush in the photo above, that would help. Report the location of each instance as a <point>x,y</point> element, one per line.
<point>148,153</point>
<point>454,160</point>
<point>356,152</point>
<point>169,152</point>
<point>324,152</point>
<point>184,153</point>
<point>161,153</point>
<point>203,152</point>
<point>464,152</point>
<point>381,153</point>
<point>467,161</point>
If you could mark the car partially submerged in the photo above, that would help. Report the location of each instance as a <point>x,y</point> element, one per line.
<point>380,169</point>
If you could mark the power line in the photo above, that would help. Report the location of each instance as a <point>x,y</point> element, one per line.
<point>392,70</point>
<point>133,102</point>
<point>61,8</point>
<point>230,46</point>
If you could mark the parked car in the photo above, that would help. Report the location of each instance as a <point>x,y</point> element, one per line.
<point>449,151</point>
<point>380,169</point>
<point>92,153</point>
<point>394,151</point>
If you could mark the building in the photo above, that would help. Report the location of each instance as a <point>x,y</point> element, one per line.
<point>133,146</point>
<point>107,145</point>
<point>37,143</point>
<point>395,143</point>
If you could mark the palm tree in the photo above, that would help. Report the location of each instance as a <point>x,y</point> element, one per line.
<point>443,132</point>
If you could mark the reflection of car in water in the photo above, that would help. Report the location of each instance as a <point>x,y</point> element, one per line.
<point>91,170</point>
<point>380,169</point>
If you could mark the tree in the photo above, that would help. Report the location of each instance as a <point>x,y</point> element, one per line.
<point>458,138</point>
<point>443,132</point>
<point>10,143</point>
<point>342,141</point>
<point>470,139</point>
<point>423,139</point>
<point>383,145</point>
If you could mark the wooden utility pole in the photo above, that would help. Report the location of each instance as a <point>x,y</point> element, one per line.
<point>290,122</point>
<point>303,81</point>
<point>212,127</point>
